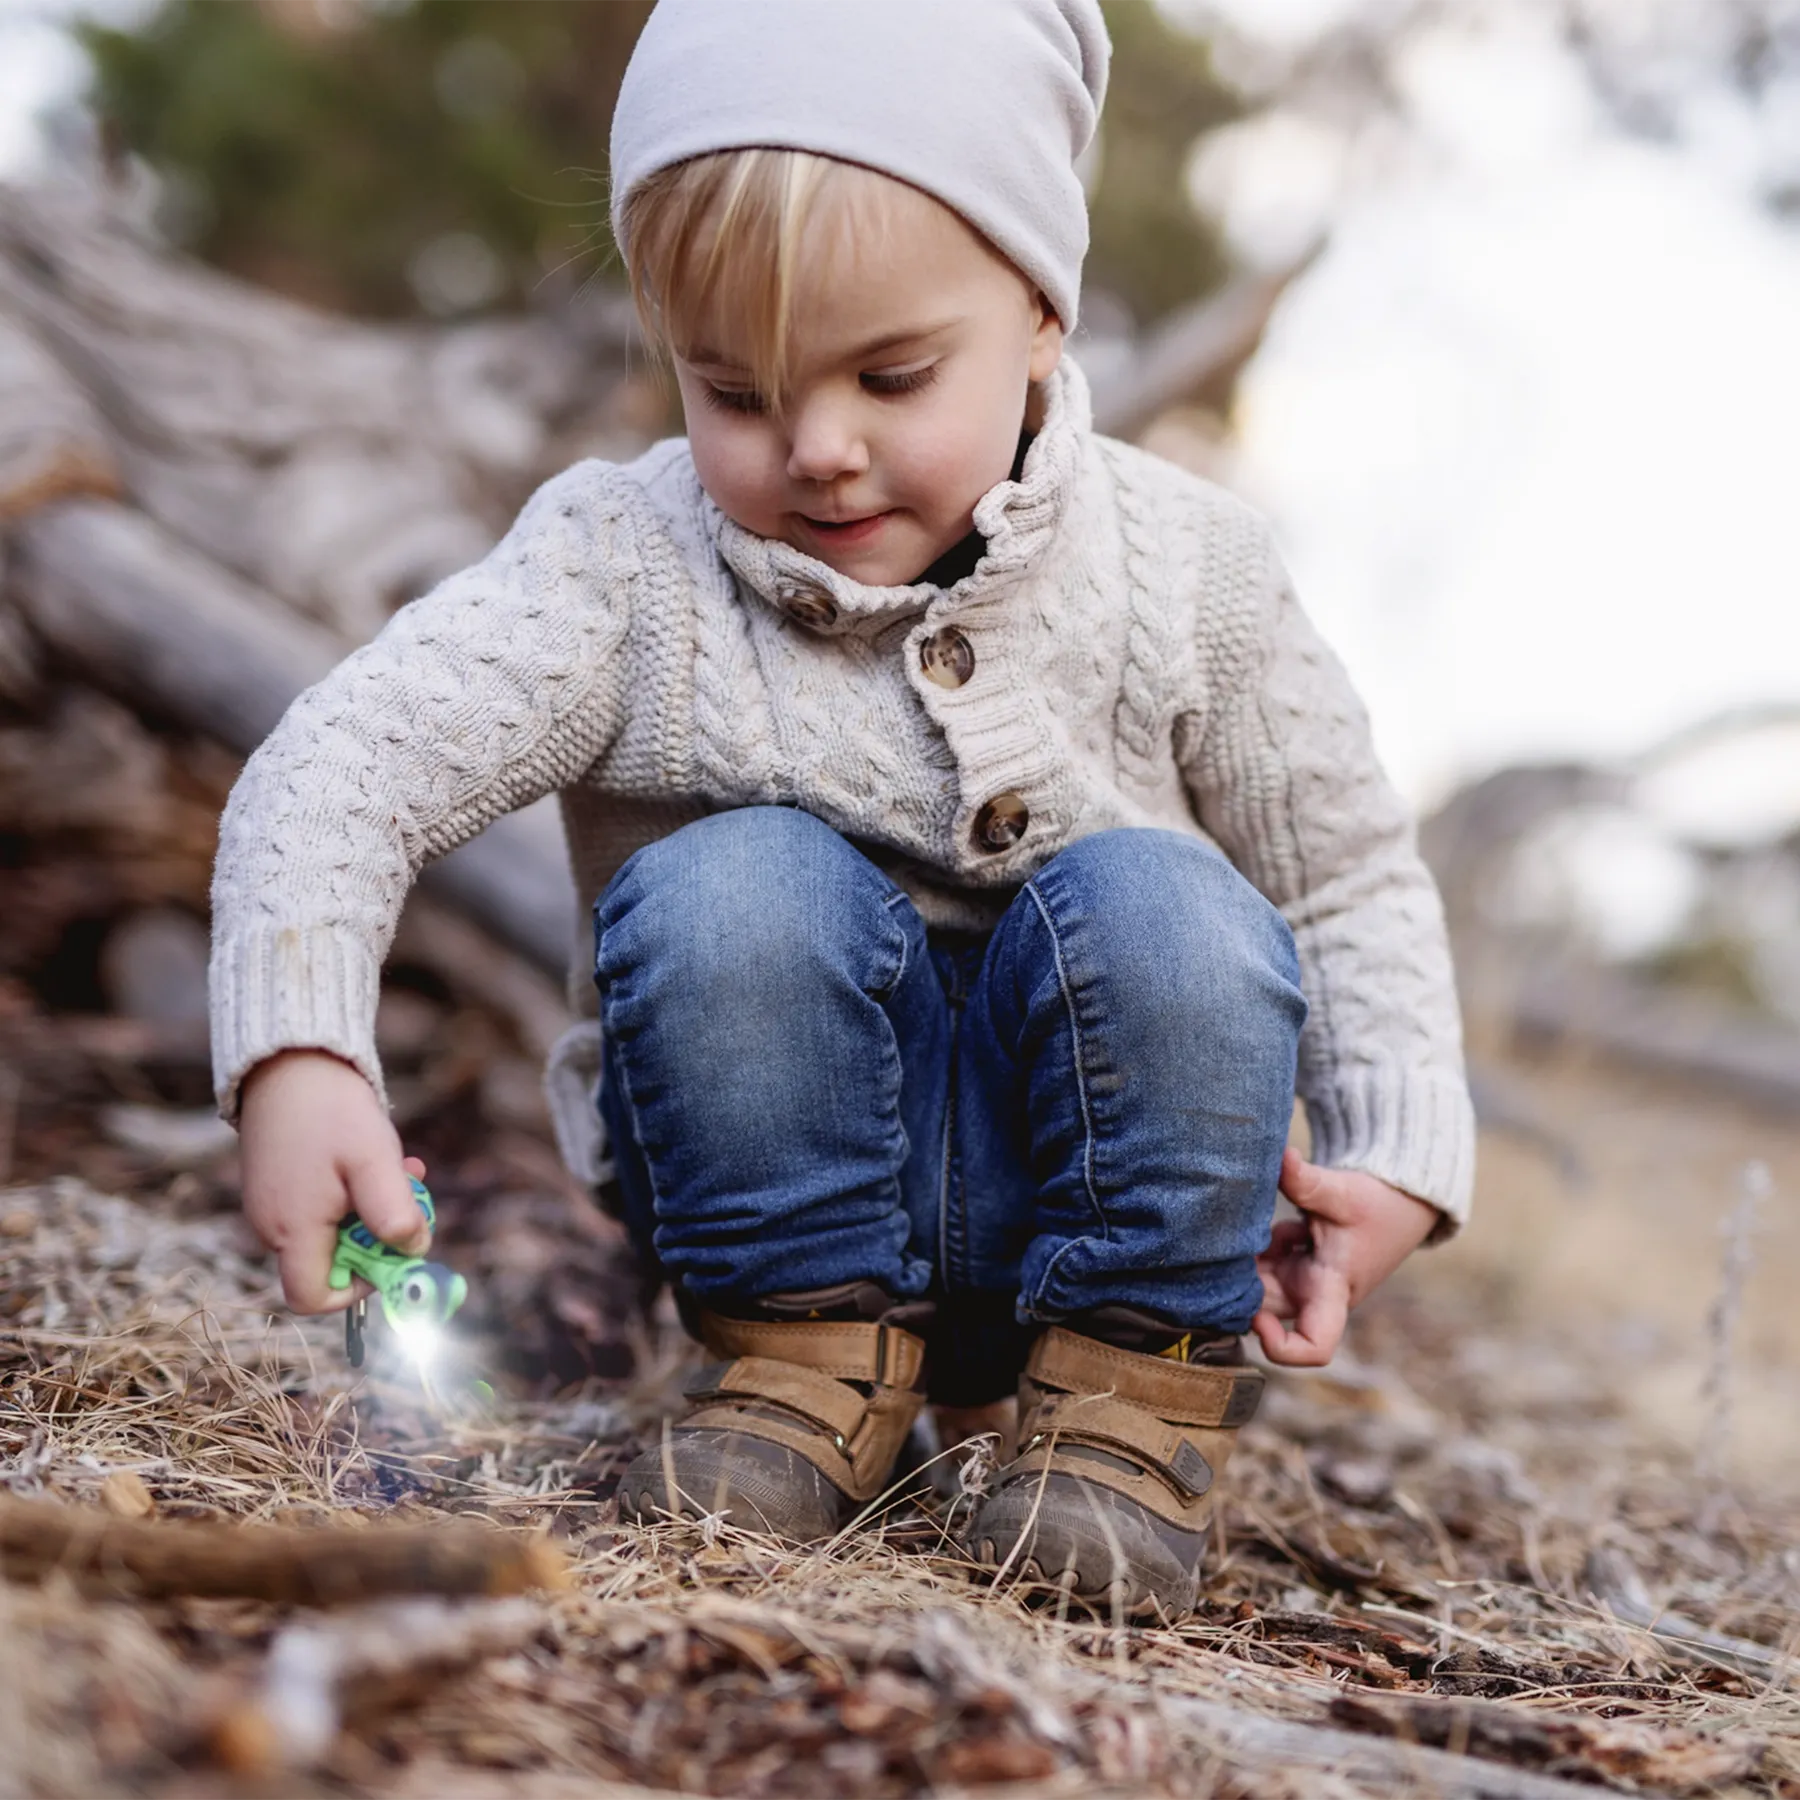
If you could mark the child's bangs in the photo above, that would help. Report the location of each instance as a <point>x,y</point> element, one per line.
<point>738,235</point>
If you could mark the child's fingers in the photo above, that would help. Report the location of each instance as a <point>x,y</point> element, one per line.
<point>1283,1263</point>
<point>1292,1237</point>
<point>1276,1298</point>
<point>304,1259</point>
<point>414,1166</point>
<point>1314,1336</point>
<point>382,1197</point>
<point>1268,1331</point>
<point>1322,1192</point>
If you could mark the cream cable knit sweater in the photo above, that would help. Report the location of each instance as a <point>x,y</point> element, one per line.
<point>1138,659</point>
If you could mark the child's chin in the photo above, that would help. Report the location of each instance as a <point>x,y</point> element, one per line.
<point>874,566</point>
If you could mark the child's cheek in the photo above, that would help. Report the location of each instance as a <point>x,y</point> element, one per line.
<point>738,469</point>
<point>956,454</point>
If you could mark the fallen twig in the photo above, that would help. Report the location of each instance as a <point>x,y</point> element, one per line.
<point>1671,1762</point>
<point>1617,1584</point>
<point>324,1674</point>
<point>292,1567</point>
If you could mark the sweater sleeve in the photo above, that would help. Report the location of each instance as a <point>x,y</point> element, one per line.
<point>499,686</point>
<point>1282,773</point>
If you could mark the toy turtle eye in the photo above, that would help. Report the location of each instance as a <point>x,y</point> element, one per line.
<point>415,1290</point>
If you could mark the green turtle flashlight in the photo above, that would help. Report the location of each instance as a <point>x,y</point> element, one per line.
<point>418,1297</point>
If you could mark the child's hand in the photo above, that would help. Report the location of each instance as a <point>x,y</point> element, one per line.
<point>316,1144</point>
<point>1356,1233</point>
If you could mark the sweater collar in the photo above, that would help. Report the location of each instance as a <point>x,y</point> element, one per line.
<point>1017,519</point>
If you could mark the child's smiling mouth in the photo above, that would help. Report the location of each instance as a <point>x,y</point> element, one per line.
<point>847,531</point>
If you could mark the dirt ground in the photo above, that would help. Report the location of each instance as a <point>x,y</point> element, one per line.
<point>1542,1514</point>
<point>1612,1228</point>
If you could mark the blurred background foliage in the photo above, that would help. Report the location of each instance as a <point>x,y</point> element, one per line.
<point>449,155</point>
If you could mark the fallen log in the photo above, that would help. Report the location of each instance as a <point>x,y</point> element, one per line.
<point>52,443</point>
<point>339,465</point>
<point>477,969</point>
<point>139,613</point>
<point>1389,1766</point>
<point>285,1565</point>
<point>1561,1743</point>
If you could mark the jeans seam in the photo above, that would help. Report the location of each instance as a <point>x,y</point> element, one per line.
<point>1081,1083</point>
<point>1033,1301</point>
<point>953,1246</point>
<point>889,903</point>
<point>630,1099</point>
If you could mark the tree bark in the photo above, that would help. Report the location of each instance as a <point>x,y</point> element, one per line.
<point>147,1558</point>
<point>1202,346</point>
<point>136,611</point>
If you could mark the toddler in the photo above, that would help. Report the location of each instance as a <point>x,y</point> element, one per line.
<point>982,846</point>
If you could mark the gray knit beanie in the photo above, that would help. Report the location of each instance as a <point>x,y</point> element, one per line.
<point>984,104</point>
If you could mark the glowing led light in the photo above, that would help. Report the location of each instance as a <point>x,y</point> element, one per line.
<point>423,1341</point>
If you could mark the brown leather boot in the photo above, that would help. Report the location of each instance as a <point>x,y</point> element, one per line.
<point>1119,1450</point>
<point>798,1424</point>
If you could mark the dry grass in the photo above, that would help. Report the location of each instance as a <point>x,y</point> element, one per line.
<point>1419,1522</point>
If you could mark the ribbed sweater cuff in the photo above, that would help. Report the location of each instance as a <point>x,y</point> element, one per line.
<point>282,988</point>
<point>1414,1129</point>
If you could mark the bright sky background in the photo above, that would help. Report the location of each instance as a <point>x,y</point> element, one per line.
<point>1530,431</point>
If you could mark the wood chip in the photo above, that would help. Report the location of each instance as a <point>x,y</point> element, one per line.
<point>124,1495</point>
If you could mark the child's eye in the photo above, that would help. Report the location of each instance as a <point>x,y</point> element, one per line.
<point>737,400</point>
<point>906,381</point>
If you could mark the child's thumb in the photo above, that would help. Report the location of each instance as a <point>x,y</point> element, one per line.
<point>383,1199</point>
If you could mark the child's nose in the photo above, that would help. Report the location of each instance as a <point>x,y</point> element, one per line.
<point>824,443</point>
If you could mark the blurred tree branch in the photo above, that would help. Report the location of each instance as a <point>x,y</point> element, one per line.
<point>451,154</point>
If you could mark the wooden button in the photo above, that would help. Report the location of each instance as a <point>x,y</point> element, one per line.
<point>947,657</point>
<point>1001,822</point>
<point>810,608</point>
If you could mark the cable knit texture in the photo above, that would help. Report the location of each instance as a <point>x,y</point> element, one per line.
<point>1139,659</point>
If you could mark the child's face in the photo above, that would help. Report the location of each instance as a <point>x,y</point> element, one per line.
<point>913,352</point>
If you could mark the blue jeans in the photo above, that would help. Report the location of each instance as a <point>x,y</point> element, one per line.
<point>804,1086</point>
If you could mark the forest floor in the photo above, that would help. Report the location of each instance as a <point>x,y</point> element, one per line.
<point>1544,1514</point>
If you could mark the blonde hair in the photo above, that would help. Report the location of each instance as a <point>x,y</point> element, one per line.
<point>741,227</point>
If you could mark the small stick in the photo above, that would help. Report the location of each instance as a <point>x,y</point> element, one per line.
<point>1655,1759</point>
<point>1754,1186</point>
<point>323,1674</point>
<point>288,1566</point>
<point>1619,1585</point>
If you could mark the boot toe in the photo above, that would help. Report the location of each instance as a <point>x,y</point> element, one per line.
<point>1086,1541</point>
<point>750,1483</point>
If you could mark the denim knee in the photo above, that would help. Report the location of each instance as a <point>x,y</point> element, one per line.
<point>721,936</point>
<point>1181,930</point>
<point>750,969</point>
<point>727,889</point>
<point>1148,998</point>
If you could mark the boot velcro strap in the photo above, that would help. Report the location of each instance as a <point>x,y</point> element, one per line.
<point>1183,1393</point>
<point>1112,1424</point>
<point>820,1398</point>
<point>853,1440</point>
<point>845,1350</point>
